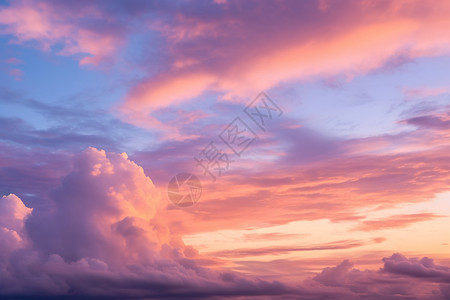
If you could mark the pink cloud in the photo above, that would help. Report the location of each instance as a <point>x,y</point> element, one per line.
<point>47,25</point>
<point>373,284</point>
<point>106,198</point>
<point>415,93</point>
<point>102,236</point>
<point>304,184</point>
<point>107,234</point>
<point>337,245</point>
<point>230,48</point>
<point>246,55</point>
<point>13,61</point>
<point>16,73</point>
<point>13,214</point>
<point>397,221</point>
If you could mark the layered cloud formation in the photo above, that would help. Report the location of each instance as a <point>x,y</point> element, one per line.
<point>356,169</point>
<point>230,47</point>
<point>103,237</point>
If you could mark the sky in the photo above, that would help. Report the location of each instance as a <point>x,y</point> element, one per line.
<point>225,149</point>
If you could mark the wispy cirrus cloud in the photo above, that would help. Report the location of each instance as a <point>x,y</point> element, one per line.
<point>424,92</point>
<point>47,25</point>
<point>337,245</point>
<point>223,47</point>
<point>301,46</point>
<point>335,185</point>
<point>13,61</point>
<point>397,221</point>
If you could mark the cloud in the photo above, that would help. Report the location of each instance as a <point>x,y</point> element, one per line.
<point>13,213</point>
<point>105,236</point>
<point>440,122</point>
<point>16,73</point>
<point>13,61</point>
<point>103,192</point>
<point>396,221</point>
<point>399,278</point>
<point>229,48</point>
<point>334,276</point>
<point>102,236</point>
<point>88,126</point>
<point>423,268</point>
<point>423,92</point>
<point>335,188</point>
<point>243,52</point>
<point>347,244</point>
<point>47,24</point>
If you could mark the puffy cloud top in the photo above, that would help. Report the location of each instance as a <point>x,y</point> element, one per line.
<point>103,237</point>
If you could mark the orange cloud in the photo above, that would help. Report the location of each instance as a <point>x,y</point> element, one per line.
<point>346,244</point>
<point>334,188</point>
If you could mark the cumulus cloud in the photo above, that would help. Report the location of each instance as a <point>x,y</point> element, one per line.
<point>106,199</point>
<point>399,278</point>
<point>102,237</point>
<point>421,268</point>
<point>13,213</point>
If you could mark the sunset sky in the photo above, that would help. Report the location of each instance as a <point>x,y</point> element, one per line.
<point>338,186</point>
